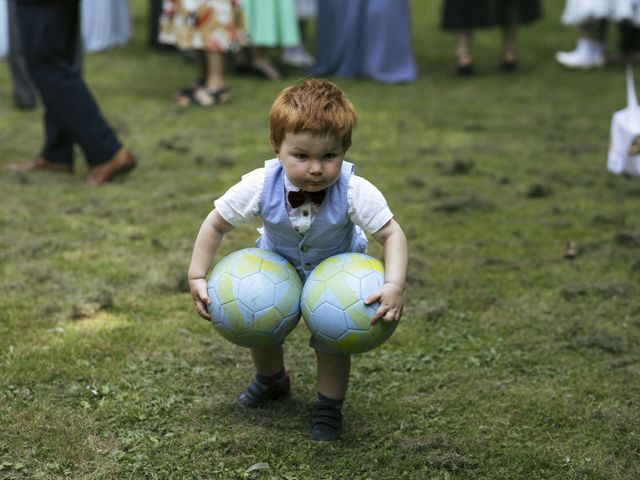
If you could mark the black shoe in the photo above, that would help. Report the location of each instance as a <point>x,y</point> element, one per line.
<point>466,70</point>
<point>326,423</point>
<point>24,102</point>
<point>509,66</point>
<point>508,60</point>
<point>258,392</point>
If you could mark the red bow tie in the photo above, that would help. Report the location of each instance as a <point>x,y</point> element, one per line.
<point>297,198</point>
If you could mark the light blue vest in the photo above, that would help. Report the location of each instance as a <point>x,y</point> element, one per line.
<point>331,232</point>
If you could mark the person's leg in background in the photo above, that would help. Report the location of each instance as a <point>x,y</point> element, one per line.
<point>462,18</point>
<point>24,92</point>
<point>297,55</point>
<point>509,56</point>
<point>153,19</point>
<point>511,15</point>
<point>629,41</point>
<point>50,32</point>
<point>464,62</point>
<point>589,51</point>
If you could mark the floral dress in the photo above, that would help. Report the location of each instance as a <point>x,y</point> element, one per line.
<point>214,25</point>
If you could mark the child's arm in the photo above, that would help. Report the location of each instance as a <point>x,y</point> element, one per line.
<point>390,295</point>
<point>204,251</point>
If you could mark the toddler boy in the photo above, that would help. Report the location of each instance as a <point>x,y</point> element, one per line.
<point>312,207</point>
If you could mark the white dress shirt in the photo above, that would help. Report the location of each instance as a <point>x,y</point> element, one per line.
<point>367,209</point>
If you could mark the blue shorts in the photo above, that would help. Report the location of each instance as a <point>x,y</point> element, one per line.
<point>319,347</point>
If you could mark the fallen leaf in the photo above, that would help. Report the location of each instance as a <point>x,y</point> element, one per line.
<point>257,466</point>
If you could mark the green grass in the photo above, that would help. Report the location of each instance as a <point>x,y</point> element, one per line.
<point>512,362</point>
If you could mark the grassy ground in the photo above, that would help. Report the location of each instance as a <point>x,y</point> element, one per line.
<point>511,362</point>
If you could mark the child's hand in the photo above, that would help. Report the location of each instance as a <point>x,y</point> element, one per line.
<point>198,287</point>
<point>391,301</point>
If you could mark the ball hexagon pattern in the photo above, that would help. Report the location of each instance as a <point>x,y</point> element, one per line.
<point>333,306</point>
<point>255,297</point>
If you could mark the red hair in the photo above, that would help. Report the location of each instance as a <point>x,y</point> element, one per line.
<point>315,106</point>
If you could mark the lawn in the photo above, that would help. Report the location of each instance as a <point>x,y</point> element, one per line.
<point>512,361</point>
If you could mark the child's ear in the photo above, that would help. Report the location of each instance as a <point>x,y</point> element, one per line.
<point>274,147</point>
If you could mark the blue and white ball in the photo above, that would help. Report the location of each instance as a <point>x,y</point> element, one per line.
<point>255,297</point>
<point>333,303</point>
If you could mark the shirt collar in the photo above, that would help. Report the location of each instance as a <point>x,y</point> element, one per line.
<point>288,186</point>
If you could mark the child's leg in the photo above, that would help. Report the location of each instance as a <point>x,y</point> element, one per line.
<point>268,360</point>
<point>333,374</point>
<point>333,380</point>
<point>271,381</point>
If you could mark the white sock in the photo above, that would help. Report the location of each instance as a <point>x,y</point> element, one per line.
<point>584,44</point>
<point>596,48</point>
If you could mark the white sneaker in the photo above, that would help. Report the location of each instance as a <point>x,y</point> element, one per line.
<point>587,55</point>
<point>297,57</point>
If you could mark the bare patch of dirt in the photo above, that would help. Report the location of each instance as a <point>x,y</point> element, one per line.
<point>90,306</point>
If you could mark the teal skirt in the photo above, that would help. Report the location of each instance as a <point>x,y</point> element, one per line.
<point>271,23</point>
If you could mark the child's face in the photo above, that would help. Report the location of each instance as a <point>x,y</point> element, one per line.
<point>310,162</point>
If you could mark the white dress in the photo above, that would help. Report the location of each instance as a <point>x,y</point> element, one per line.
<point>578,12</point>
<point>105,24</point>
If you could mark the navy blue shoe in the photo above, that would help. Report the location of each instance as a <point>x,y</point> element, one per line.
<point>260,392</point>
<point>326,422</point>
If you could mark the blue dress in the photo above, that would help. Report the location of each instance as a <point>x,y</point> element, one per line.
<point>4,29</point>
<point>105,24</point>
<point>365,38</point>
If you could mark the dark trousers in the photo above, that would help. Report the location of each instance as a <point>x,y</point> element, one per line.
<point>155,9</point>
<point>24,92</point>
<point>629,37</point>
<point>50,32</point>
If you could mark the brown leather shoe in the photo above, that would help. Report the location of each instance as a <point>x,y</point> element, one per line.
<point>40,164</point>
<point>120,164</point>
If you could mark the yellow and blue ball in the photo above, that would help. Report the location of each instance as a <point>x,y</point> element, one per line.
<point>255,297</point>
<point>333,303</point>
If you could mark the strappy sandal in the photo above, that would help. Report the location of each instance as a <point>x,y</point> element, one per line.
<point>184,96</point>
<point>508,60</point>
<point>464,64</point>
<point>203,97</point>
<point>220,96</point>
